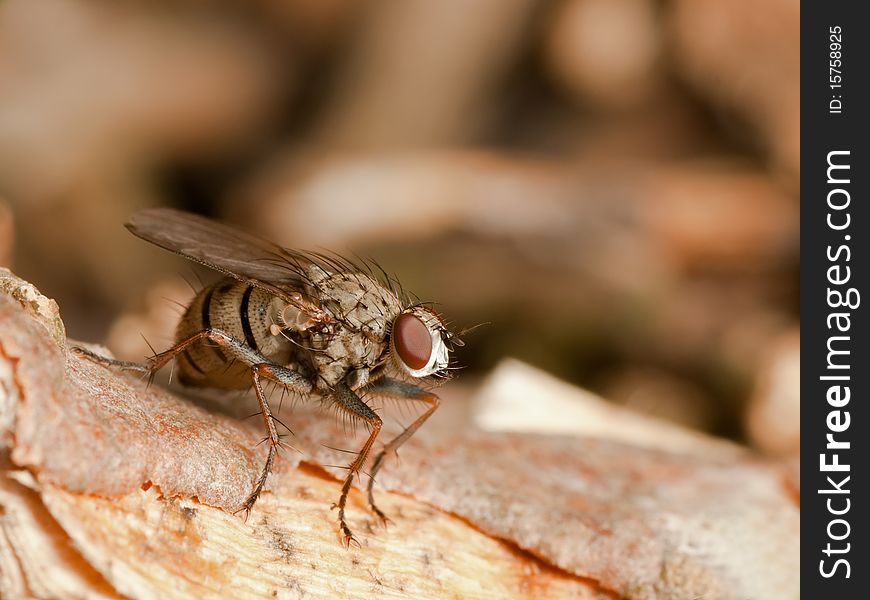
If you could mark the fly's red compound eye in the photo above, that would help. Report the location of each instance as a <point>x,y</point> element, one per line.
<point>412,341</point>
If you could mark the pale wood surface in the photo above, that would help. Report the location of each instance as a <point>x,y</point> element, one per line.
<point>111,489</point>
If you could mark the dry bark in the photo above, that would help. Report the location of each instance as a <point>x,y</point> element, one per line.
<point>110,488</point>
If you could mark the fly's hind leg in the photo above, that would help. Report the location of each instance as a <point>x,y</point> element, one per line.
<point>398,390</point>
<point>261,368</point>
<point>124,365</point>
<point>159,360</point>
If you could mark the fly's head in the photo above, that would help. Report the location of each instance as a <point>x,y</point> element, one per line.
<point>420,343</point>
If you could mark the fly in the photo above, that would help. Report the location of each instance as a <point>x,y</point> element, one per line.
<point>318,325</point>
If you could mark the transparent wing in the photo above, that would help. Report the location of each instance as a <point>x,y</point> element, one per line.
<point>238,254</point>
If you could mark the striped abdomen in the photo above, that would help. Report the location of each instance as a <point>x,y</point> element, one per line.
<point>244,312</point>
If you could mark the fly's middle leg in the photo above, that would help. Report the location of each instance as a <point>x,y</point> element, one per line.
<point>289,379</point>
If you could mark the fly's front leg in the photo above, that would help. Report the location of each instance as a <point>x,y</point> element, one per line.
<point>398,390</point>
<point>345,399</point>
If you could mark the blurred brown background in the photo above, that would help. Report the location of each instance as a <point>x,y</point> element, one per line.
<point>611,184</point>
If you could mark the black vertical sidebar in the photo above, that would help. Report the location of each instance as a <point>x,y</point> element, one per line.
<point>835,365</point>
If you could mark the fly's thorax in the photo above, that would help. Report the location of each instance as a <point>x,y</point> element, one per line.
<point>359,302</point>
<point>363,310</point>
<point>345,355</point>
